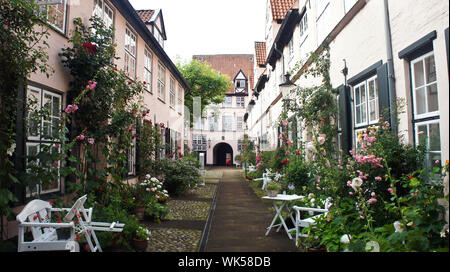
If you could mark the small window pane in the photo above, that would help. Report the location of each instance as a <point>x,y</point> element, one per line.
<point>435,139</point>
<point>418,74</point>
<point>432,93</point>
<point>430,68</point>
<point>420,101</point>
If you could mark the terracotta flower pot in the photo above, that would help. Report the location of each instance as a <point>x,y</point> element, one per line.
<point>139,245</point>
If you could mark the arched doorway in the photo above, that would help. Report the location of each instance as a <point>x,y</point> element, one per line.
<point>221,152</point>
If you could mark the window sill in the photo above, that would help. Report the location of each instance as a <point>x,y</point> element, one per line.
<point>161,100</point>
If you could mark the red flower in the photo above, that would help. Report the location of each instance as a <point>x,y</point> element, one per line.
<point>410,176</point>
<point>179,147</point>
<point>145,83</point>
<point>144,114</point>
<point>77,237</point>
<point>180,155</point>
<point>134,112</point>
<point>59,221</point>
<point>162,125</point>
<point>90,47</point>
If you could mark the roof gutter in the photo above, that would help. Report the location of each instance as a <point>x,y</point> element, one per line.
<point>390,66</point>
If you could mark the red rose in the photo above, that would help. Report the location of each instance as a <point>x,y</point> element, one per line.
<point>90,47</point>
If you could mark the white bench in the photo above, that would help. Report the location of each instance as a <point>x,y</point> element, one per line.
<point>37,215</point>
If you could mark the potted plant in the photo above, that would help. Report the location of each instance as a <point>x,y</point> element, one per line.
<point>273,188</point>
<point>140,238</point>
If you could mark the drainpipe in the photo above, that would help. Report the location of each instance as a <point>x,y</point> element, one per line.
<point>282,56</point>
<point>390,63</point>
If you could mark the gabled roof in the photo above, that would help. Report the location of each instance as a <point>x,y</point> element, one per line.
<point>231,65</point>
<point>149,17</point>
<point>260,53</point>
<point>280,7</point>
<point>132,17</point>
<point>146,15</point>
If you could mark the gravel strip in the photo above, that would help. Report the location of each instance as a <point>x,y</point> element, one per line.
<point>188,210</point>
<point>174,240</point>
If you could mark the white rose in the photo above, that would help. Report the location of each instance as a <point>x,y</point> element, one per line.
<point>345,239</point>
<point>398,226</point>
<point>356,183</point>
<point>154,179</point>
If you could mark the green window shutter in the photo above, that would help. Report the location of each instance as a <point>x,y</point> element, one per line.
<point>168,149</point>
<point>345,118</point>
<point>383,92</point>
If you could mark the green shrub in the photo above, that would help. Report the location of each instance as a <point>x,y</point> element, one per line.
<point>179,175</point>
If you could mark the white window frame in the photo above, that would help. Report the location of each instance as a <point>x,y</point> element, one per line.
<point>227,123</point>
<point>427,114</point>
<point>63,29</point>
<point>240,101</point>
<point>303,25</point>
<point>227,102</point>
<point>130,53</point>
<point>161,81</point>
<point>148,69</point>
<point>172,92</point>
<point>239,123</point>
<point>132,156</point>
<point>39,140</point>
<point>180,99</point>
<point>417,136</point>
<point>104,11</point>
<point>366,103</point>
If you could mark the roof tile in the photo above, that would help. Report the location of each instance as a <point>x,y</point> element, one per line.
<point>230,64</point>
<point>280,8</point>
<point>260,53</point>
<point>146,14</point>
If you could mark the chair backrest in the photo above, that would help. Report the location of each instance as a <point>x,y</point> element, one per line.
<point>35,211</point>
<point>328,203</point>
<point>75,208</point>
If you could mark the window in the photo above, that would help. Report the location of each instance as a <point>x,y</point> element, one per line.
<point>159,37</point>
<point>240,83</point>
<point>303,25</point>
<point>172,92</point>
<point>240,101</point>
<point>161,82</point>
<point>213,125</point>
<point>291,49</point>
<point>42,132</point>
<point>199,142</point>
<point>227,123</point>
<point>56,15</point>
<point>424,86</point>
<point>428,134</point>
<point>148,66</point>
<point>130,53</point>
<point>228,101</point>
<point>240,145</point>
<point>131,162</point>
<point>103,11</point>
<point>366,102</point>
<point>240,123</point>
<point>180,99</point>
<point>425,106</point>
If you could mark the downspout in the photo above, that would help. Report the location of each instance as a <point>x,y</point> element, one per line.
<point>390,66</point>
<point>282,56</point>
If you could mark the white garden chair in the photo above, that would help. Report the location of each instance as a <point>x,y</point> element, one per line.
<point>45,238</point>
<point>265,178</point>
<point>251,168</point>
<point>303,223</point>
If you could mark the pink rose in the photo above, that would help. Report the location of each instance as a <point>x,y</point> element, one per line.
<point>378,178</point>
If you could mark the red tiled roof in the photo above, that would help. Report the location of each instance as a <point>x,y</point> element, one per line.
<point>260,53</point>
<point>280,8</point>
<point>146,14</point>
<point>230,64</point>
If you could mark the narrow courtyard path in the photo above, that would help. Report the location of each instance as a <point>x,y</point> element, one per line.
<point>240,220</point>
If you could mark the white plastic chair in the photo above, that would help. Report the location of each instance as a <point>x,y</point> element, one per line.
<point>303,223</point>
<point>38,213</point>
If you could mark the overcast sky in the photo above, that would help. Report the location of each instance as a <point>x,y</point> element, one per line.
<point>206,27</point>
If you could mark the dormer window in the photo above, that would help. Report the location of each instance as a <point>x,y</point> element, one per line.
<point>240,83</point>
<point>159,37</point>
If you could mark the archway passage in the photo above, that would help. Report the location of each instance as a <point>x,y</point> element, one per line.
<point>221,153</point>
